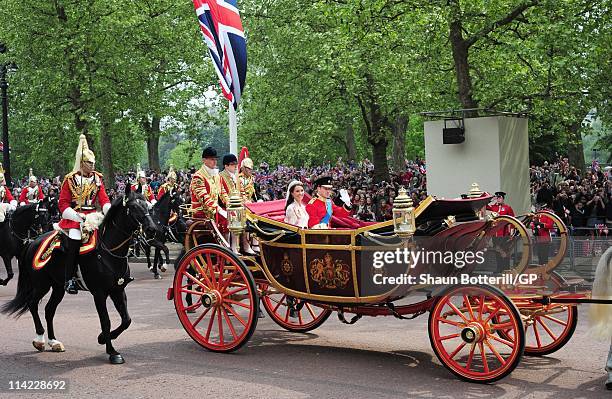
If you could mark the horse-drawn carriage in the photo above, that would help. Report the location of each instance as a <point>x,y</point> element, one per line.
<point>478,331</point>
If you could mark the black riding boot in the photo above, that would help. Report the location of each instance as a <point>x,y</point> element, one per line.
<point>72,253</point>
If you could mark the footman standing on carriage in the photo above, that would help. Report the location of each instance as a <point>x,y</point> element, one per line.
<point>501,209</point>
<point>246,182</point>
<point>543,226</point>
<point>205,187</point>
<point>7,202</point>
<point>80,191</point>
<point>142,186</point>
<point>229,184</point>
<point>321,207</point>
<point>33,193</point>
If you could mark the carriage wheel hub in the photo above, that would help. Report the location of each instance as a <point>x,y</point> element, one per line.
<point>472,333</point>
<point>210,299</point>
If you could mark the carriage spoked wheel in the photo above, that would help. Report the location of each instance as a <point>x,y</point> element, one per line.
<point>291,313</point>
<point>547,327</point>
<point>215,298</point>
<point>463,332</point>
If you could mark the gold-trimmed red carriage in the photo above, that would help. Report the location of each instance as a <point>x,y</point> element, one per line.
<point>479,332</point>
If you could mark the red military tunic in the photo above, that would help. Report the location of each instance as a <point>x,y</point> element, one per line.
<point>146,191</point>
<point>547,225</point>
<point>165,188</point>
<point>28,192</point>
<point>81,196</point>
<point>317,209</point>
<point>204,190</point>
<point>6,195</point>
<point>501,210</point>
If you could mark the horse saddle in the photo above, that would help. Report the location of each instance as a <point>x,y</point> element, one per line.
<point>54,241</point>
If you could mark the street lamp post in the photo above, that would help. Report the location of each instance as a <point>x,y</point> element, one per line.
<point>6,160</point>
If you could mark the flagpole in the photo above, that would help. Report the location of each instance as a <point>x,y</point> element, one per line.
<point>233,130</point>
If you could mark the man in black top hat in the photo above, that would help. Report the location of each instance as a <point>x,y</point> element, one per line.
<point>205,186</point>
<point>320,208</point>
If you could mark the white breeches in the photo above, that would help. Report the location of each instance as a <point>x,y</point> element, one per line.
<point>74,234</point>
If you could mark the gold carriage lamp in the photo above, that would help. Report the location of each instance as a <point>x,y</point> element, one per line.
<point>236,214</point>
<point>476,192</point>
<point>404,224</point>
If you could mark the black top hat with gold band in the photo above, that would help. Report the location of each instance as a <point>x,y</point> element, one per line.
<point>209,152</point>
<point>500,194</point>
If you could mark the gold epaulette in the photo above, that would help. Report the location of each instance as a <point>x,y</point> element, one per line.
<point>312,200</point>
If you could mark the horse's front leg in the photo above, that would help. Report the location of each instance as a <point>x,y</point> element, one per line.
<point>9,269</point>
<point>167,254</point>
<point>105,324</point>
<point>119,299</point>
<point>147,250</point>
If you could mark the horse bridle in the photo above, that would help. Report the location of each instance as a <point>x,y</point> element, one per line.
<point>27,238</point>
<point>130,235</point>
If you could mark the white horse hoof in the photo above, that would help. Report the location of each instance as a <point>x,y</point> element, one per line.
<point>56,346</point>
<point>163,267</point>
<point>40,346</point>
<point>39,343</point>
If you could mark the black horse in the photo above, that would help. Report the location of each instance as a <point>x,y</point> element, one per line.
<point>18,230</point>
<point>53,213</point>
<point>105,271</point>
<point>167,231</point>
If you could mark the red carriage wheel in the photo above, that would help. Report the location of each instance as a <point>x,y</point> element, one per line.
<point>547,328</point>
<point>215,298</point>
<point>293,314</point>
<point>464,334</point>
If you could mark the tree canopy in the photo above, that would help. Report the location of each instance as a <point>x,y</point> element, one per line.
<point>326,78</point>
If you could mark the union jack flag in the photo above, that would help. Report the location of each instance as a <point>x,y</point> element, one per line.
<point>223,33</point>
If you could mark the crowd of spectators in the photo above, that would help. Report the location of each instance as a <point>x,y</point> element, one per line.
<point>582,200</point>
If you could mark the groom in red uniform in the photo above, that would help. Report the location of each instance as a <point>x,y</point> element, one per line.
<point>321,208</point>
<point>501,209</point>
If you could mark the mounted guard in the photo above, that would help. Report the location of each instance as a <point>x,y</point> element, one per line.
<point>32,194</point>
<point>80,191</point>
<point>7,202</point>
<point>169,186</point>
<point>142,186</point>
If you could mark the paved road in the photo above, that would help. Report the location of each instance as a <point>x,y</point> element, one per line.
<point>376,358</point>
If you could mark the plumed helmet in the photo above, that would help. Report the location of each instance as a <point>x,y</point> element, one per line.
<point>247,163</point>
<point>31,177</point>
<point>139,172</point>
<point>83,154</point>
<point>244,159</point>
<point>171,173</point>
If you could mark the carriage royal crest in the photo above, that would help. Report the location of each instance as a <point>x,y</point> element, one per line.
<point>329,272</point>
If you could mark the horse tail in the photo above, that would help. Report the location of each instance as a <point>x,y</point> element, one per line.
<point>25,289</point>
<point>601,314</point>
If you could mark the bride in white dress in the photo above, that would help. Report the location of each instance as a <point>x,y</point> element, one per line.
<point>295,210</point>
